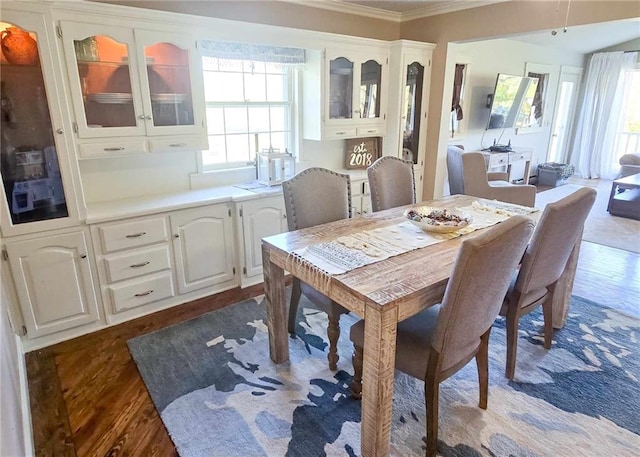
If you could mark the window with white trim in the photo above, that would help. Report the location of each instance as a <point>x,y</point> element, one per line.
<point>249,96</point>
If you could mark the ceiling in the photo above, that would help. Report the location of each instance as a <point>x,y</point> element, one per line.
<point>584,39</point>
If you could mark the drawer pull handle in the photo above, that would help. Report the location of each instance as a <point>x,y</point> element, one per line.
<point>341,133</point>
<point>177,145</point>
<point>144,294</point>
<point>117,148</point>
<point>141,264</point>
<point>136,235</point>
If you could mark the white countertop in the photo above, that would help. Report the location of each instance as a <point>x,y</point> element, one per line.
<point>141,206</point>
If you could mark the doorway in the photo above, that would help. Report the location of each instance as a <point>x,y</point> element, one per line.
<point>568,88</point>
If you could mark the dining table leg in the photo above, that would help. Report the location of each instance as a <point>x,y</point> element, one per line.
<point>274,289</point>
<point>380,329</point>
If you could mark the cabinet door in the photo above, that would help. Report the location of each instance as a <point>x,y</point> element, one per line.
<point>411,112</point>
<point>341,87</point>
<point>53,282</point>
<point>260,218</point>
<point>171,81</point>
<point>36,190</point>
<point>203,247</point>
<point>103,77</point>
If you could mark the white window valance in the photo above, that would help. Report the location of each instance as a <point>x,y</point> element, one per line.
<point>224,50</point>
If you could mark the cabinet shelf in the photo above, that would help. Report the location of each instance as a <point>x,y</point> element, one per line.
<point>107,63</point>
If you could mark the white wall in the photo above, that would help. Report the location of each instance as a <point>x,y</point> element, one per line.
<point>488,58</point>
<point>11,365</point>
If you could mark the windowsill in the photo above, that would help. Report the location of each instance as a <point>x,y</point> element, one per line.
<point>222,177</point>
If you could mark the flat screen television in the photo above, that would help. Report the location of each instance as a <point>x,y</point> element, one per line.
<point>512,102</point>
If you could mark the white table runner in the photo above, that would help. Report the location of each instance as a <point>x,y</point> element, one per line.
<point>369,246</point>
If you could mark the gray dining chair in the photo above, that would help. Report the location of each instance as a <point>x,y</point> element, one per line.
<point>392,183</point>
<point>440,340</point>
<point>312,197</point>
<point>544,261</point>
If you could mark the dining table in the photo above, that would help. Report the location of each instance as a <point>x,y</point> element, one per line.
<point>383,293</point>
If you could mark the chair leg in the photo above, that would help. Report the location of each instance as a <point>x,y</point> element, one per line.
<point>547,312</point>
<point>512,343</point>
<point>333,333</point>
<point>482,361</point>
<point>356,384</point>
<point>296,291</point>
<point>431,398</point>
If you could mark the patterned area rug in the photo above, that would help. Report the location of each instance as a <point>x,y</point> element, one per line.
<point>219,394</point>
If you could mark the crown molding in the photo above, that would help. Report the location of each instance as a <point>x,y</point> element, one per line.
<point>432,9</point>
<point>442,7</point>
<point>350,8</point>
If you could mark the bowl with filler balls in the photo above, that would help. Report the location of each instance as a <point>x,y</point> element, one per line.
<point>438,220</point>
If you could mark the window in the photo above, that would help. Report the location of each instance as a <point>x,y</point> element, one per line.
<point>627,139</point>
<point>249,96</point>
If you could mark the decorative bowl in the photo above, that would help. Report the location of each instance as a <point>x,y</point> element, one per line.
<point>437,220</point>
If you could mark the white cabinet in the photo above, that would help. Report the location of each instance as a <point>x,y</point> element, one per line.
<point>360,198</point>
<point>135,266</point>
<point>410,72</point>
<point>203,243</point>
<point>258,219</point>
<point>53,282</point>
<point>351,82</point>
<point>131,88</point>
<point>37,191</point>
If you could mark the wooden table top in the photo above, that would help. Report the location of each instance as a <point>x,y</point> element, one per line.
<point>415,279</point>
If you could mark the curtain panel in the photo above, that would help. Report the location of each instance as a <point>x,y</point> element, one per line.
<point>593,146</point>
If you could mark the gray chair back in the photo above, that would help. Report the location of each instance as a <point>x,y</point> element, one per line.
<point>556,234</point>
<point>316,196</point>
<point>479,282</point>
<point>392,183</point>
<point>454,170</point>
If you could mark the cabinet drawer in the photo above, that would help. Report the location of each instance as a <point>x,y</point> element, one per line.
<point>133,234</point>
<point>137,263</point>
<point>370,131</point>
<point>498,160</point>
<point>193,143</point>
<point>141,291</point>
<point>110,148</point>
<point>340,132</point>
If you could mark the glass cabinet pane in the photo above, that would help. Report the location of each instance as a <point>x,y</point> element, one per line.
<point>29,160</point>
<point>370,80</point>
<point>169,84</point>
<point>412,108</point>
<point>105,78</point>
<point>340,88</point>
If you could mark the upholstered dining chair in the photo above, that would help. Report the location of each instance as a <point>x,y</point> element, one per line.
<point>544,261</point>
<point>392,183</point>
<point>304,209</point>
<point>437,342</point>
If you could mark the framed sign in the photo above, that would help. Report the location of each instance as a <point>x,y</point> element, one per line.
<point>362,152</point>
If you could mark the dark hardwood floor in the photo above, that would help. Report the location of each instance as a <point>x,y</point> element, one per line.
<point>87,398</point>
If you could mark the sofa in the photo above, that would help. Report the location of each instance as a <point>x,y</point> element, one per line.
<point>629,164</point>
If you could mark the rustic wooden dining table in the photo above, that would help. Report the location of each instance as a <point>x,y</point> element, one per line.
<point>382,293</point>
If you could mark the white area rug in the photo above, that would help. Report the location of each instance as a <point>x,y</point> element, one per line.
<point>600,227</point>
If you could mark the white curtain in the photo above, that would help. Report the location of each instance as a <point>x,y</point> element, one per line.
<point>593,147</point>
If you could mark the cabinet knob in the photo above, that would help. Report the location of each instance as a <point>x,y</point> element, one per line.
<point>59,131</point>
<point>148,117</point>
<point>142,116</point>
<point>83,256</point>
<point>176,236</point>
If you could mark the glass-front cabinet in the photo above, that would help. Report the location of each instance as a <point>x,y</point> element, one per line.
<point>354,100</point>
<point>410,64</point>
<point>127,82</point>
<point>35,173</point>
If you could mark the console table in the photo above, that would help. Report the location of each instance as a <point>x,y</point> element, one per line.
<point>624,200</point>
<point>504,160</point>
